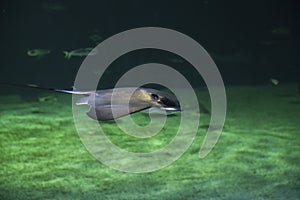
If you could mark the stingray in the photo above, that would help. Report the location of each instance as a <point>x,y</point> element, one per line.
<point>114,103</point>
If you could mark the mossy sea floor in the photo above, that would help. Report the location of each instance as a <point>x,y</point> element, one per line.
<point>256,157</point>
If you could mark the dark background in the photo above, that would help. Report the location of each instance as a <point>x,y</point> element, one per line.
<point>250,41</point>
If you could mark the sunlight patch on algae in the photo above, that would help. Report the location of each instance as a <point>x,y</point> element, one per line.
<point>134,144</point>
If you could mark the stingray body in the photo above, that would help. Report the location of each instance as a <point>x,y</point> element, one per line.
<point>110,104</point>
<point>118,102</point>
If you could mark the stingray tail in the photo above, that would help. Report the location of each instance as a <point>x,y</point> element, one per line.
<point>37,87</point>
<point>71,91</point>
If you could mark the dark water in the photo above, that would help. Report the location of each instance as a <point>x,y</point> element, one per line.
<point>250,41</point>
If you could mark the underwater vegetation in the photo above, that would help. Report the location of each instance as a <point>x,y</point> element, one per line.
<point>256,157</point>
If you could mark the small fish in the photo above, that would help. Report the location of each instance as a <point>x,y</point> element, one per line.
<point>38,52</point>
<point>80,52</point>
<point>53,5</point>
<point>236,57</point>
<point>281,30</point>
<point>268,42</point>
<point>96,38</point>
<point>114,103</point>
<point>47,99</point>
<point>274,81</point>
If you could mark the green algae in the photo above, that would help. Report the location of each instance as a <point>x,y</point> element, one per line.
<point>256,157</point>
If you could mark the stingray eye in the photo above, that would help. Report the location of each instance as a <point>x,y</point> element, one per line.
<point>154,97</point>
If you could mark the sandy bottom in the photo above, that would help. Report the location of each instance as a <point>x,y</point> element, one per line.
<point>256,157</point>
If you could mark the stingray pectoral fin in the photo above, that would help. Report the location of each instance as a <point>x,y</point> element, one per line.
<point>110,112</point>
<point>161,111</point>
<point>104,113</point>
<point>83,100</point>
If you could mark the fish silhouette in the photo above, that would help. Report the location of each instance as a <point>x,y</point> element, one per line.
<point>114,103</point>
